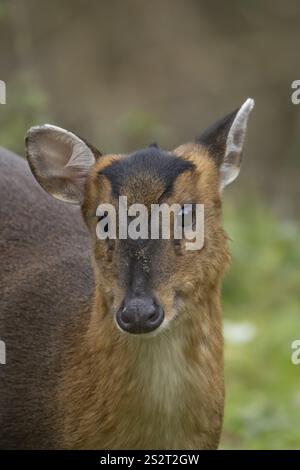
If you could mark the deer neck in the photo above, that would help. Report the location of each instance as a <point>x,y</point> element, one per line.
<point>150,384</point>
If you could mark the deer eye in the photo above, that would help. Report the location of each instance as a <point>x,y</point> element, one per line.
<point>187,215</point>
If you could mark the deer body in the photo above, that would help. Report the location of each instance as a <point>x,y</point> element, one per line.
<point>72,378</point>
<point>38,243</point>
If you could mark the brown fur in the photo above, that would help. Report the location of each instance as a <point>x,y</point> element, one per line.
<point>87,384</point>
<point>163,392</point>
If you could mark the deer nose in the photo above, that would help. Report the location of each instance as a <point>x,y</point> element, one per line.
<point>140,315</point>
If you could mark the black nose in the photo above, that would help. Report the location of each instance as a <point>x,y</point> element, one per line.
<point>140,315</point>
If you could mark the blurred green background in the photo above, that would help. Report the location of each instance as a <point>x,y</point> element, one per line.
<point>126,73</point>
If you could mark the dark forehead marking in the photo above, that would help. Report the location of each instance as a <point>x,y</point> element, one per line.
<point>151,161</point>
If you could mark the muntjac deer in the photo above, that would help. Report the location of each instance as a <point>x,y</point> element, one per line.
<point>115,343</point>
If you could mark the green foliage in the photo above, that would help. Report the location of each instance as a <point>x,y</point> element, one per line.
<point>25,105</point>
<point>262,292</point>
<point>4,11</point>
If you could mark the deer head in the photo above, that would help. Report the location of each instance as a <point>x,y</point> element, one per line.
<point>146,281</point>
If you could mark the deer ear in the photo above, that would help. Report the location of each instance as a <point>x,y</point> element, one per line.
<point>60,161</point>
<point>225,141</point>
